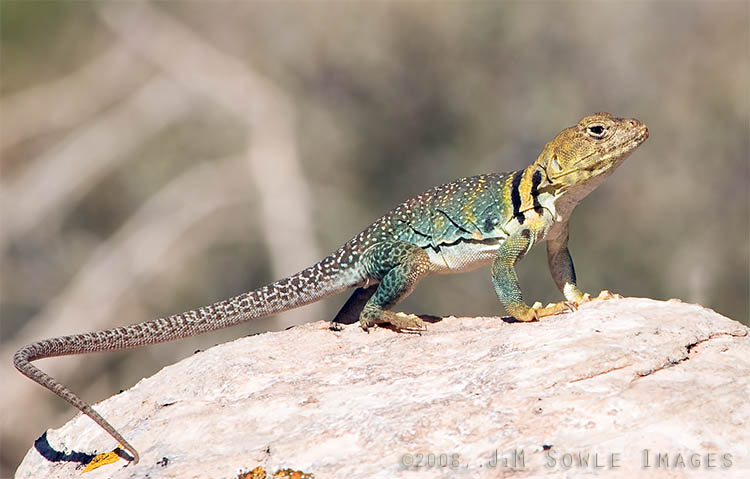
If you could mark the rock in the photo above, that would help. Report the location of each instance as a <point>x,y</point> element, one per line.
<point>634,385</point>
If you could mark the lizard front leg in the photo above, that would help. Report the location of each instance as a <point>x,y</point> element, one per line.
<point>505,280</point>
<point>564,274</point>
<point>398,266</point>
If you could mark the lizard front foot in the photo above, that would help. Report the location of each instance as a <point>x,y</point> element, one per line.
<point>537,311</point>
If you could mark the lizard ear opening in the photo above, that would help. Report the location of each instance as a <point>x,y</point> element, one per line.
<point>554,163</point>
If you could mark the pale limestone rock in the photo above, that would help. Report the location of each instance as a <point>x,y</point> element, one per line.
<point>615,378</point>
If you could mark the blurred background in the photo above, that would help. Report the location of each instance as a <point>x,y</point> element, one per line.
<point>159,157</point>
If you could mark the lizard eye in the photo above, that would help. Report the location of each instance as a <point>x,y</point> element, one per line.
<point>596,130</point>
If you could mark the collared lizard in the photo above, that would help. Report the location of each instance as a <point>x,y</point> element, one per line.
<point>488,219</point>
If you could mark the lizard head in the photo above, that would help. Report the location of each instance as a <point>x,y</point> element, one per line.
<point>594,147</point>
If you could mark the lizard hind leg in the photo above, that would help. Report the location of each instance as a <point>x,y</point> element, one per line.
<point>398,266</point>
<point>350,311</point>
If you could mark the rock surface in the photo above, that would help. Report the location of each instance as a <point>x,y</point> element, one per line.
<point>631,384</point>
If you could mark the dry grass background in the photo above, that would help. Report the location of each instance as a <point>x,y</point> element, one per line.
<point>157,157</point>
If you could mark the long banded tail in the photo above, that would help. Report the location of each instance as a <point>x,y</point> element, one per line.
<point>309,285</point>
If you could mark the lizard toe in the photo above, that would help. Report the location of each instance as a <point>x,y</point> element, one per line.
<point>406,322</point>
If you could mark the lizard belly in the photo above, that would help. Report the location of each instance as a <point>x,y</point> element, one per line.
<point>462,256</point>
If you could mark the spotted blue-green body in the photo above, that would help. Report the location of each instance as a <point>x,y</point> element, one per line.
<point>488,219</point>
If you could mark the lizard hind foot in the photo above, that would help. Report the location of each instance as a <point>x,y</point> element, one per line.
<point>401,321</point>
<point>406,322</point>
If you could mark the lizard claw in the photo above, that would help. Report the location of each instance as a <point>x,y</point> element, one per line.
<point>586,298</point>
<point>606,294</point>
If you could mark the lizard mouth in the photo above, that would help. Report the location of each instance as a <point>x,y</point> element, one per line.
<point>630,143</point>
<point>640,135</point>
<point>608,158</point>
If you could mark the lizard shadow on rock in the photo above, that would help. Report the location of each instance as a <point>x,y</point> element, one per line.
<point>44,448</point>
<point>428,318</point>
<point>352,319</point>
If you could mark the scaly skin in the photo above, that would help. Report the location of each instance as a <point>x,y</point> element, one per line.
<point>494,218</point>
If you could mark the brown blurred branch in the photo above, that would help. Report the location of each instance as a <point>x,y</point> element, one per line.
<point>59,104</point>
<point>54,181</point>
<point>285,197</point>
